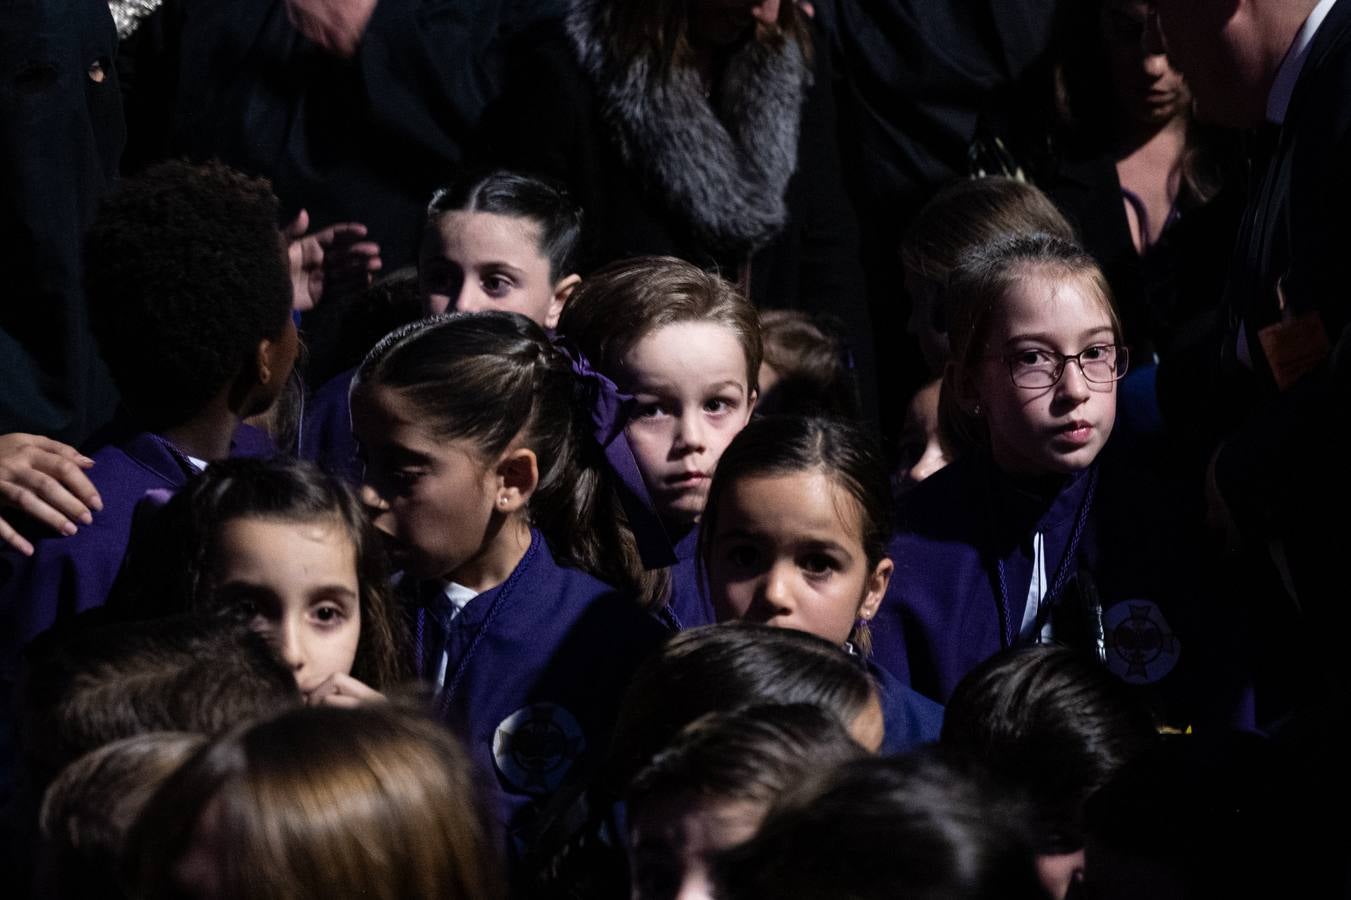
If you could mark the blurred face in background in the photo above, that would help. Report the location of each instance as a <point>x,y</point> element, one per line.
<point>1148,90</point>
<point>1224,51</point>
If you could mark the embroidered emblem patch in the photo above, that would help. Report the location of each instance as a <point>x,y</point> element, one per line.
<point>535,747</point>
<point>1141,648</point>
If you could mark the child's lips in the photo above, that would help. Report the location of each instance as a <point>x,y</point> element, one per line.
<point>686,480</point>
<point>1078,434</point>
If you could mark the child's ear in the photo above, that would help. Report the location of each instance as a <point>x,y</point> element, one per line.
<point>875,588</point>
<point>265,362</point>
<point>276,357</point>
<point>517,478</point>
<point>562,291</point>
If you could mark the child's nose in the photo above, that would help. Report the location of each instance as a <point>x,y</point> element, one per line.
<point>472,299</point>
<point>290,647</point>
<point>774,591</point>
<point>1072,382</point>
<point>371,498</point>
<point>690,433</point>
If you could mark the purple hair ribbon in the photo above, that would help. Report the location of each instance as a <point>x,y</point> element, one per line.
<point>610,410</point>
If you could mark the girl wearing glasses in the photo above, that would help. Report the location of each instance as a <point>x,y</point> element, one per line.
<point>1023,540</point>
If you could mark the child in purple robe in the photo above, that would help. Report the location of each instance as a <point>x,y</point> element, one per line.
<point>190,300</point>
<point>684,349</point>
<point>481,470</point>
<point>1011,544</point>
<point>795,537</point>
<point>285,548</point>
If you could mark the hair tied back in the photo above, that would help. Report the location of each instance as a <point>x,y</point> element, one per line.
<point>609,410</point>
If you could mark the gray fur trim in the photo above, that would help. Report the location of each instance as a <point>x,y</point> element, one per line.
<point>724,175</point>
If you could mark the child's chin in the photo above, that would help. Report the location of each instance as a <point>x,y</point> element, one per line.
<point>1070,463</point>
<point>683,512</point>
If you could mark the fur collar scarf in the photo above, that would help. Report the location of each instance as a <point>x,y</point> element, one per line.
<point>723,172</point>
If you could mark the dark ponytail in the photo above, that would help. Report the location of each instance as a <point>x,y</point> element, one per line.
<point>494,378</point>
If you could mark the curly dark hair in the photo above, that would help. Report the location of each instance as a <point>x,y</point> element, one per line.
<point>185,274</point>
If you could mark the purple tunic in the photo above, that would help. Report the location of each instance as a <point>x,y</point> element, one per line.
<point>909,719</point>
<point>536,670</point>
<point>1122,593</point>
<point>689,606</point>
<point>326,429</point>
<point>68,575</point>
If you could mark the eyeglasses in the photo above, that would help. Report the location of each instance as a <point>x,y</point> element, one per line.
<point>1100,364</point>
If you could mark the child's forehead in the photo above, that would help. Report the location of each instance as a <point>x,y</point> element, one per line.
<point>281,532</point>
<point>811,500</point>
<point>704,343</point>
<point>485,232</point>
<point>1049,300</point>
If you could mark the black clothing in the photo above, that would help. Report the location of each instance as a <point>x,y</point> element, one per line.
<point>365,139</point>
<point>550,121</point>
<point>61,135</point>
<point>1283,469</point>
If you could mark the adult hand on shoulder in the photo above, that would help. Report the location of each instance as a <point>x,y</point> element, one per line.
<point>331,261</point>
<point>335,25</point>
<point>342,690</point>
<point>45,479</point>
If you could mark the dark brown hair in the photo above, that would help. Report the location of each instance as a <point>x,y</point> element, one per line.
<point>971,213</point>
<point>727,667</point>
<point>843,451</point>
<point>494,379</point>
<point>746,755</point>
<point>323,802</point>
<point>90,807</point>
<point>84,689</point>
<point>811,362</point>
<point>542,203</point>
<point>1052,722</point>
<point>180,545</point>
<point>910,826</point>
<point>626,301</point>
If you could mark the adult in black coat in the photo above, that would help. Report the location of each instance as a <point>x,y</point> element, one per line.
<point>61,135</point>
<point>1281,474</point>
<point>355,109</point>
<point>713,140</point>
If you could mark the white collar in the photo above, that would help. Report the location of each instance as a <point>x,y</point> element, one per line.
<point>1278,101</point>
<point>457,595</point>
